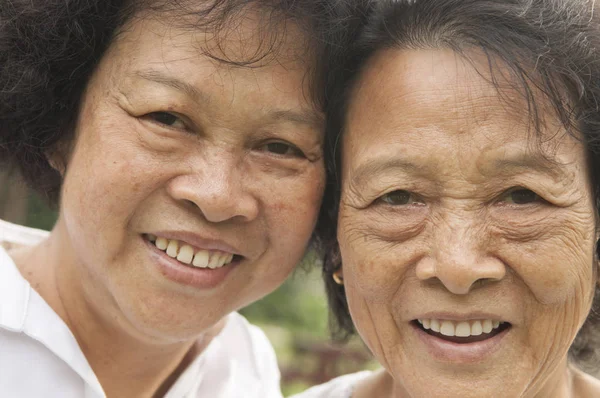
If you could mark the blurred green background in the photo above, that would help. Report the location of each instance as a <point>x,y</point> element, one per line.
<point>294,317</point>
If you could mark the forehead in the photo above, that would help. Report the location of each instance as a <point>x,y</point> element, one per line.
<point>244,65</point>
<point>417,98</point>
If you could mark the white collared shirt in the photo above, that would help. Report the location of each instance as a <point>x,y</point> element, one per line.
<point>39,356</point>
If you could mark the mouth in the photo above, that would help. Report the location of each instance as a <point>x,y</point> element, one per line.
<point>191,256</point>
<point>462,332</point>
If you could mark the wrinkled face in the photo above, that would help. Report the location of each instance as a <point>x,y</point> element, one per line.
<point>467,242</point>
<point>193,187</point>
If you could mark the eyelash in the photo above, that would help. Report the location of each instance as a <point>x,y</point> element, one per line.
<point>536,198</point>
<point>413,199</point>
<point>152,117</point>
<point>295,151</point>
<point>410,195</point>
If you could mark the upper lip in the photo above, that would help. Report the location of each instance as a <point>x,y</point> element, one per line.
<point>199,242</point>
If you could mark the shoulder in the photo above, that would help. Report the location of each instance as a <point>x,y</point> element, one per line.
<point>16,235</point>
<point>585,385</point>
<point>340,387</point>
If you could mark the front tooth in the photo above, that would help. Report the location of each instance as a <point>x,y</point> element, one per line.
<point>172,248</point>
<point>463,329</point>
<point>186,253</point>
<point>447,328</point>
<point>435,325</point>
<point>161,243</point>
<point>495,324</point>
<point>476,328</point>
<point>201,259</point>
<point>487,326</point>
<point>426,324</point>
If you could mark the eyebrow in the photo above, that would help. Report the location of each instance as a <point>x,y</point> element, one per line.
<point>312,119</point>
<point>535,162</point>
<point>363,173</point>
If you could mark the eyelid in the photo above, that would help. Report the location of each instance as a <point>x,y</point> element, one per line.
<point>299,153</point>
<point>188,126</point>
<point>502,198</point>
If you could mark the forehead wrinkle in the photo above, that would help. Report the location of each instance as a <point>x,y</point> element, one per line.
<point>159,77</point>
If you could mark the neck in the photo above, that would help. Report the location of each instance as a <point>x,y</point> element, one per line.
<point>127,363</point>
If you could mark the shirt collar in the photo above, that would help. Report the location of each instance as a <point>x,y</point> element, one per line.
<point>14,295</point>
<point>23,310</point>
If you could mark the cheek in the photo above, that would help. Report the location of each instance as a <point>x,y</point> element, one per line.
<point>292,204</point>
<point>376,268</point>
<point>556,268</point>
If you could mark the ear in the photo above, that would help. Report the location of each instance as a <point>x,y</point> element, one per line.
<point>57,159</point>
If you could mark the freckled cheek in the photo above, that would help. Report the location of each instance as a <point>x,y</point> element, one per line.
<point>370,268</point>
<point>292,206</point>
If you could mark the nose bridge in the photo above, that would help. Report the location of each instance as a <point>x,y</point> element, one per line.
<point>459,252</point>
<point>218,172</point>
<point>456,239</point>
<point>215,185</point>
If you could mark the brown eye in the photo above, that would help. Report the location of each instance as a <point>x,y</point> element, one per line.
<point>283,149</point>
<point>521,196</point>
<point>167,119</point>
<point>397,198</point>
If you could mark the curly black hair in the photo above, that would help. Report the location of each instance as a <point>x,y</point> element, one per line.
<point>549,46</point>
<point>50,48</point>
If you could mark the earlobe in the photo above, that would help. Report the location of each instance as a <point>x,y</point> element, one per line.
<point>56,161</point>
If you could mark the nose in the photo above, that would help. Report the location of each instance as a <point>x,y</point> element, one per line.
<point>460,260</point>
<point>218,188</point>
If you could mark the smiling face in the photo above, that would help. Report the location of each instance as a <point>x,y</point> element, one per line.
<point>455,216</point>
<point>178,155</point>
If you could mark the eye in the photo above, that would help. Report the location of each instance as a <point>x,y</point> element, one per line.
<point>399,198</point>
<point>283,149</point>
<point>520,196</point>
<point>167,119</point>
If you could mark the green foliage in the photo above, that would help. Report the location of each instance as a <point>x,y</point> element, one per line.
<point>39,214</point>
<point>298,305</point>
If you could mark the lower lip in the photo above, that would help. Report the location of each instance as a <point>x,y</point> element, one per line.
<point>199,278</point>
<point>446,351</point>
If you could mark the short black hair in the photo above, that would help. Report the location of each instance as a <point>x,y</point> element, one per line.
<point>549,47</point>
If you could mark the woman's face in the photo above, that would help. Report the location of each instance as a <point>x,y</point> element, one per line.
<point>456,215</point>
<point>175,149</point>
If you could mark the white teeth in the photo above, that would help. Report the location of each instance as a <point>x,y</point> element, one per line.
<point>173,248</point>
<point>201,259</point>
<point>487,326</point>
<point>476,329</point>
<point>426,324</point>
<point>460,329</point>
<point>185,253</point>
<point>214,261</point>
<point>463,329</point>
<point>447,328</point>
<point>161,243</point>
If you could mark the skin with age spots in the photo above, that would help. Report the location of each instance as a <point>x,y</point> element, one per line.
<point>452,204</point>
<point>170,139</point>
